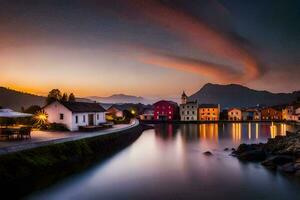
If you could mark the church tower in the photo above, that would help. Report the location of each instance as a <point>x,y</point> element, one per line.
<point>184,98</point>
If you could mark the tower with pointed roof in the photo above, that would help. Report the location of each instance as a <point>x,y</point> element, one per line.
<point>184,98</point>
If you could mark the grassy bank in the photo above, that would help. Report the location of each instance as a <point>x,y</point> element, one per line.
<point>22,171</point>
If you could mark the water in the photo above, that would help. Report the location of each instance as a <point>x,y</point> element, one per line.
<point>168,163</point>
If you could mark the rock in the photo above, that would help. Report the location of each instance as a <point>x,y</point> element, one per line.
<point>287,168</point>
<point>226,149</point>
<point>253,155</point>
<point>297,166</point>
<point>280,159</point>
<point>207,153</point>
<point>232,149</point>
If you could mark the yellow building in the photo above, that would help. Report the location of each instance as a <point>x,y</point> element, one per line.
<point>208,112</point>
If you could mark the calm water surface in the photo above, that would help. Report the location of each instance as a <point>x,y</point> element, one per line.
<point>168,163</point>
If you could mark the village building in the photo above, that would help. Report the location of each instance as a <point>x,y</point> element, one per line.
<point>234,114</point>
<point>75,114</point>
<point>296,115</point>
<point>208,112</point>
<point>288,112</point>
<point>188,110</point>
<point>147,114</point>
<point>114,111</point>
<point>271,113</point>
<point>165,110</point>
<point>257,115</point>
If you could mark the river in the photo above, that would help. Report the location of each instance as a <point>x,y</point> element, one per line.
<point>167,162</point>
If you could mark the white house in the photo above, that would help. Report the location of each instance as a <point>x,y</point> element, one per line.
<point>188,110</point>
<point>75,114</point>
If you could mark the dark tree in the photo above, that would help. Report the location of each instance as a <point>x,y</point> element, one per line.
<point>64,97</point>
<point>72,97</point>
<point>54,95</point>
<point>33,109</point>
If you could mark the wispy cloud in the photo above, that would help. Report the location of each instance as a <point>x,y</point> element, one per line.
<point>202,37</point>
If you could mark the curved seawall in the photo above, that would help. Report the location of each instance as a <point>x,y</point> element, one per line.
<point>23,169</point>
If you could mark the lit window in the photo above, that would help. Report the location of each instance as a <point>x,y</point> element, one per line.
<point>170,112</point>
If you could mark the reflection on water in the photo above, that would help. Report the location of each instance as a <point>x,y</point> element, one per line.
<point>168,163</point>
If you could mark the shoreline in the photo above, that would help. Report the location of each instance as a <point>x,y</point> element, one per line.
<point>36,164</point>
<point>219,121</point>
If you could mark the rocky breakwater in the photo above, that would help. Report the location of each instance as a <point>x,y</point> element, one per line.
<point>280,153</point>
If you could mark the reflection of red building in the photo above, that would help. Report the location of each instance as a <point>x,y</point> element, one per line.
<point>165,110</point>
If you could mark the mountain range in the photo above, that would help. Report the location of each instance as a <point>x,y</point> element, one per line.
<point>118,98</point>
<point>231,95</point>
<point>234,95</point>
<point>16,100</point>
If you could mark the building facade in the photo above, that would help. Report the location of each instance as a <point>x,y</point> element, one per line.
<point>287,113</point>
<point>165,110</point>
<point>75,114</point>
<point>208,112</point>
<point>271,113</point>
<point>147,115</point>
<point>234,114</point>
<point>188,110</point>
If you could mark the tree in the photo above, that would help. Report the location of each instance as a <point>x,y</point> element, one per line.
<point>72,97</point>
<point>54,95</point>
<point>33,109</point>
<point>64,97</point>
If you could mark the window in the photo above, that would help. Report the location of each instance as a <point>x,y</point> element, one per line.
<point>187,118</point>
<point>61,116</point>
<point>97,116</point>
<point>183,112</point>
<point>76,119</point>
<point>83,118</point>
<point>188,106</point>
<point>170,112</point>
<point>193,112</point>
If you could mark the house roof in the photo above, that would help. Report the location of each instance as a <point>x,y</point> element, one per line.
<point>170,102</point>
<point>209,106</point>
<point>81,107</point>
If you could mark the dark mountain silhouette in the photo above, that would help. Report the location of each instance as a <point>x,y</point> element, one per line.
<point>119,98</point>
<point>16,100</point>
<point>234,95</point>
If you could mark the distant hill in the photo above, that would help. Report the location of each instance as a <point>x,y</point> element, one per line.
<point>234,95</point>
<point>16,100</point>
<point>119,98</point>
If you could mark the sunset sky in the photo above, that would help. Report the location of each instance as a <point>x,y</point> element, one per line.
<point>148,48</point>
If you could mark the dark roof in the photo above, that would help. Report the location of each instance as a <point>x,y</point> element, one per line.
<point>170,102</point>
<point>80,107</point>
<point>209,106</point>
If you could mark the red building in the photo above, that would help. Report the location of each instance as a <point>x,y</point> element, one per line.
<point>165,110</point>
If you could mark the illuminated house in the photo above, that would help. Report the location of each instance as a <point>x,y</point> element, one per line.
<point>287,113</point>
<point>208,112</point>
<point>271,113</point>
<point>75,114</point>
<point>296,116</point>
<point>165,110</point>
<point>188,110</point>
<point>114,111</point>
<point>147,114</point>
<point>234,114</point>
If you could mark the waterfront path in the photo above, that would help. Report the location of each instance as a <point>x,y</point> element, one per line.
<point>43,138</point>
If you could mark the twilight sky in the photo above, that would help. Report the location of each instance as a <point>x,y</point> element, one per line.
<point>148,47</point>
